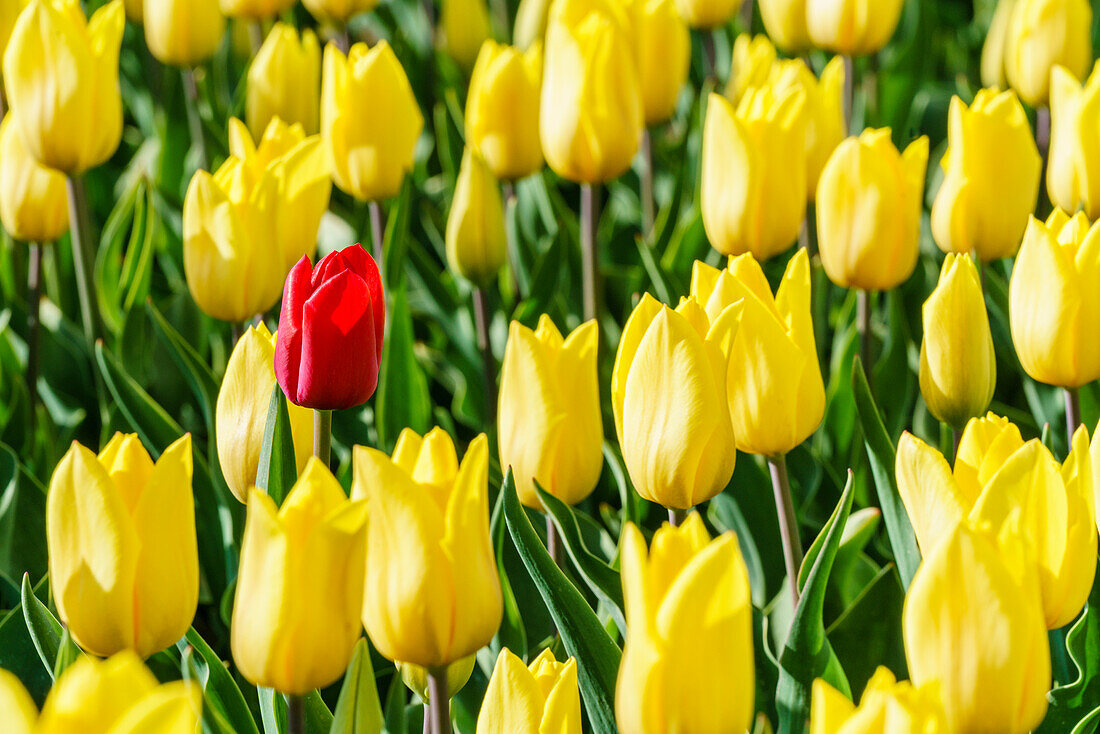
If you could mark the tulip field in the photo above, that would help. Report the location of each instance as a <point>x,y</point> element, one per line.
<point>549,366</point>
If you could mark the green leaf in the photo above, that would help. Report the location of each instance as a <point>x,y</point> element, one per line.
<point>868,633</point>
<point>278,470</point>
<point>219,688</point>
<point>18,652</point>
<point>1073,703</point>
<point>194,369</point>
<point>585,639</point>
<point>807,654</point>
<point>881,453</point>
<point>213,717</point>
<point>151,421</point>
<point>67,654</point>
<point>273,709</point>
<point>403,400</point>
<point>512,633</point>
<point>44,629</point>
<point>358,710</point>
<point>22,520</point>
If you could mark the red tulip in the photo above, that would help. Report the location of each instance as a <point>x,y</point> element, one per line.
<point>329,345</point>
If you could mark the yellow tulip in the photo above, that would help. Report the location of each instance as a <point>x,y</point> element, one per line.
<point>973,625</point>
<point>688,661</point>
<point>502,109</point>
<point>119,695</point>
<point>669,394</point>
<point>591,113</point>
<point>120,531</point>
<point>869,201</point>
<point>284,81</point>
<point>1017,491</point>
<point>992,171</point>
<point>300,585</point>
<point>370,152</point>
<point>465,26</point>
<point>530,27</point>
<point>415,677</point>
<point>17,710</point>
<point>477,243</point>
<point>531,700</point>
<point>993,50</point>
<point>852,27</point>
<point>958,369</point>
<point>785,22</point>
<point>753,190</point>
<point>241,412</point>
<point>1074,163</point>
<point>34,203</point>
<point>662,43</point>
<point>1053,302</point>
<point>550,426</point>
<point>9,13</point>
<point>773,384</point>
<point>752,64</point>
<point>135,10</point>
<point>255,9</point>
<point>183,32</point>
<point>61,77</point>
<point>338,11</point>
<point>707,14</point>
<point>432,592</point>
<point>886,706</point>
<point>1040,35</point>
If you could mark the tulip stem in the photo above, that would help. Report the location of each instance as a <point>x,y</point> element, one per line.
<point>676,517</point>
<point>482,320</point>
<point>322,435</point>
<point>255,35</point>
<point>849,87</point>
<point>711,56</point>
<point>194,117</point>
<point>864,308</point>
<point>80,229</point>
<point>377,231</point>
<point>1042,141</point>
<point>647,186</point>
<point>295,714</point>
<point>746,16</point>
<point>440,708</point>
<point>510,203</point>
<point>1073,412</point>
<point>553,542</point>
<point>34,296</point>
<point>588,251</point>
<point>788,521</point>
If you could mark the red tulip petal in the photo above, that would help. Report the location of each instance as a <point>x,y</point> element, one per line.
<point>361,262</point>
<point>288,347</point>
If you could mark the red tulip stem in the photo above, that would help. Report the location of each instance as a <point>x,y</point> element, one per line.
<point>510,204</point>
<point>295,714</point>
<point>34,297</point>
<point>590,264</point>
<point>378,232</point>
<point>1073,412</point>
<point>322,435</point>
<point>194,117</point>
<point>849,90</point>
<point>676,517</point>
<point>80,231</point>
<point>864,309</point>
<point>788,521</point>
<point>482,319</point>
<point>440,708</point>
<point>647,185</point>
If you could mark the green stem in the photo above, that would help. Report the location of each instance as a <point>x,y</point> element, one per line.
<point>488,364</point>
<point>849,90</point>
<point>590,266</point>
<point>553,542</point>
<point>194,117</point>
<point>80,230</point>
<point>676,517</point>
<point>788,521</point>
<point>322,435</point>
<point>34,298</point>
<point>377,231</point>
<point>1073,412</point>
<point>295,714</point>
<point>255,35</point>
<point>510,204</point>
<point>864,308</point>
<point>647,186</point>
<point>440,709</point>
<point>746,16</point>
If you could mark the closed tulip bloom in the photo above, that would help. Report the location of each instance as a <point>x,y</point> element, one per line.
<point>34,203</point>
<point>9,13</point>
<point>886,706</point>
<point>338,11</point>
<point>241,412</point>
<point>1053,302</point>
<point>852,27</point>
<point>432,592</point>
<point>663,45</point>
<point>1074,163</point>
<point>255,9</point>
<point>551,429</point>
<point>986,648</point>
<point>465,26</point>
<point>669,394</point>
<point>61,78</point>
<point>284,81</point>
<point>752,64</point>
<point>688,660</point>
<point>754,172</point>
<point>958,369</point>
<point>531,700</point>
<point>120,531</point>
<point>707,14</point>
<point>530,27</point>
<point>1042,34</point>
<point>591,113</point>
<point>825,124</point>
<point>477,243</point>
<point>992,170</point>
<point>370,153</point>
<point>17,710</point>
<point>502,109</point>
<point>331,326</point>
<point>869,201</point>
<point>993,50</point>
<point>785,22</point>
<point>183,32</point>
<point>312,549</point>
<point>119,695</point>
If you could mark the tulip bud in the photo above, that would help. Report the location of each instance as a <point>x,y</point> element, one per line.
<point>309,549</point>
<point>1040,35</point>
<point>431,514</point>
<point>708,14</point>
<point>531,19</point>
<point>9,13</point>
<point>1074,163</point>
<point>120,531</point>
<point>477,243</point>
<point>785,22</point>
<point>332,321</point>
<point>668,390</point>
<point>825,124</point>
<point>958,369</point>
<point>591,112</point>
<point>119,695</point>
<point>502,109</point>
<point>284,81</point>
<point>886,706</point>
<point>241,414</point>
<point>662,43</point>
<point>986,648</point>
<point>869,202</point>
<point>61,78</point>
<point>550,426</point>
<point>1053,302</point>
<point>338,11</point>
<point>752,64</point>
<point>992,169</point>
<point>415,677</point>
<point>17,710</point>
<point>993,50</point>
<point>688,660</point>
<point>255,9</point>
<point>852,27</point>
<point>34,203</point>
<point>370,152</point>
<point>542,697</point>
<point>754,172</point>
<point>465,26</point>
<point>183,32</point>
<point>773,385</point>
